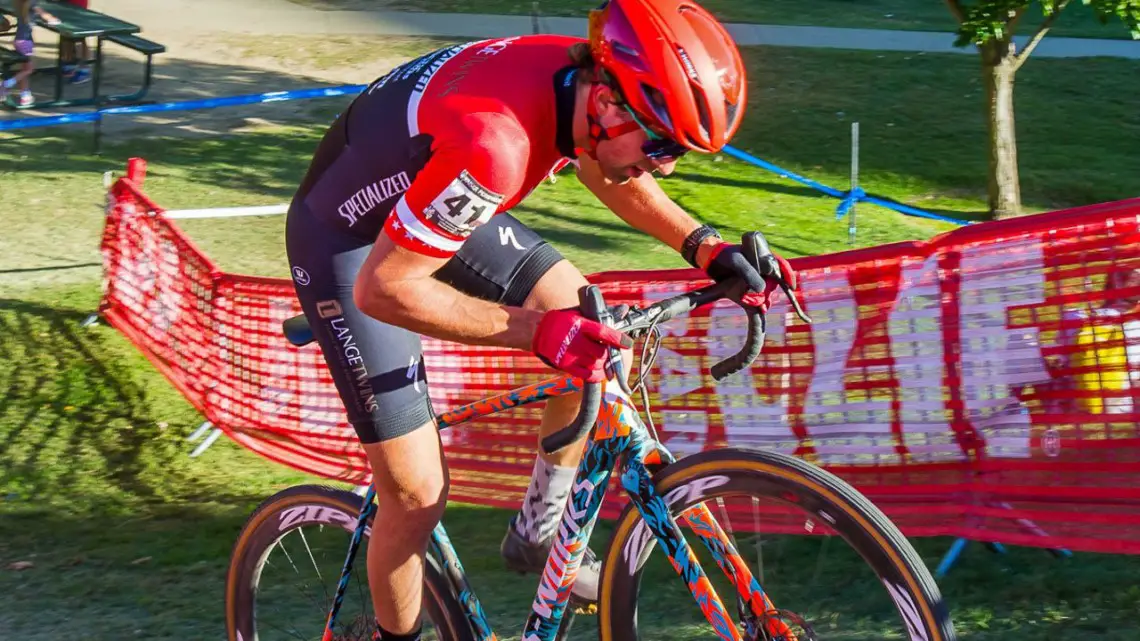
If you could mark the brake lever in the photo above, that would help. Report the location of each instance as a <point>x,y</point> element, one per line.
<point>614,365</point>
<point>758,252</point>
<point>794,301</point>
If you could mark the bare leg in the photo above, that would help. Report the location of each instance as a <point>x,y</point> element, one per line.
<point>410,476</point>
<point>553,475</point>
<point>558,289</point>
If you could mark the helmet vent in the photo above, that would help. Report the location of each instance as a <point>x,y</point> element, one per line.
<point>657,100</point>
<point>702,110</point>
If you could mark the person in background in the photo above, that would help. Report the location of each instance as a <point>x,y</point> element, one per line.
<point>74,54</point>
<point>24,45</point>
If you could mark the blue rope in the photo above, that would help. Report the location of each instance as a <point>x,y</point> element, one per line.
<point>847,198</point>
<point>208,103</point>
<point>47,121</point>
<point>231,101</point>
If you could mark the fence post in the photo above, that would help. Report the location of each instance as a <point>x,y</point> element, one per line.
<point>854,181</point>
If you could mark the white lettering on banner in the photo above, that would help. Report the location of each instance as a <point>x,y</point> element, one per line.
<point>915,329</point>
<point>837,425</point>
<point>995,358</point>
<point>905,369</point>
<point>685,431</point>
<point>372,195</point>
<point>750,417</point>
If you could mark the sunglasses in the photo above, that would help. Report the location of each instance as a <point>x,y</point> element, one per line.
<point>658,147</point>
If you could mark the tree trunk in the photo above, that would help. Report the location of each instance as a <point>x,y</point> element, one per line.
<point>1004,184</point>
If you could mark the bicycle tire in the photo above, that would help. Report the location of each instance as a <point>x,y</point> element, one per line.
<point>856,519</point>
<point>266,525</point>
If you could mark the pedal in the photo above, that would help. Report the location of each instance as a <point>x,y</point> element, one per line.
<point>579,607</point>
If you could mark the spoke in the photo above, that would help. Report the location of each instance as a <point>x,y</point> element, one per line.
<point>727,522</point>
<point>819,563</point>
<point>314,561</point>
<point>281,544</point>
<point>262,621</point>
<point>759,547</point>
<point>308,591</point>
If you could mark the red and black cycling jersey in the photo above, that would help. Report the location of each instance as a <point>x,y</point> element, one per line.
<point>440,144</point>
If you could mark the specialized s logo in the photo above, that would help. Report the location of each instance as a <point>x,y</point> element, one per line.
<point>463,206</point>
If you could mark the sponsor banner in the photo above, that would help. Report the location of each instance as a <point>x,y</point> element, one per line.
<point>984,384</point>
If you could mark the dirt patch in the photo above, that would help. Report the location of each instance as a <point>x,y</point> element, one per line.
<point>201,67</point>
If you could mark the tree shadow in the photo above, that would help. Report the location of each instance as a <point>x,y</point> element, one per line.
<point>75,424</point>
<point>919,136</point>
<point>790,188</point>
<point>232,147</point>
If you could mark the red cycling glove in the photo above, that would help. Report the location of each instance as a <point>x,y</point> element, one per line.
<point>722,265</point>
<point>572,343</point>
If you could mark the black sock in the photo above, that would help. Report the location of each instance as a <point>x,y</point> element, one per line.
<point>384,635</point>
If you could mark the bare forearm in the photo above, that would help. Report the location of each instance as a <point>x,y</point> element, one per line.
<point>433,308</point>
<point>643,205</point>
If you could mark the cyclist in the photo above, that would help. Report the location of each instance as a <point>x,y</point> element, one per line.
<point>399,228</point>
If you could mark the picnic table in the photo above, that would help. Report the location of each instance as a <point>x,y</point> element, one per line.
<point>76,23</point>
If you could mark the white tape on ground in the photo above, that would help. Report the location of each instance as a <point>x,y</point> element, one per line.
<point>227,212</point>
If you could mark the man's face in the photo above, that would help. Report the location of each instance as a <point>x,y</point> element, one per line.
<point>622,158</point>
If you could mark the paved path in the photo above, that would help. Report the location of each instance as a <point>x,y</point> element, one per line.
<point>283,18</point>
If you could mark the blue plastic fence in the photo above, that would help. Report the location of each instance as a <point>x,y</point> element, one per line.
<point>847,198</point>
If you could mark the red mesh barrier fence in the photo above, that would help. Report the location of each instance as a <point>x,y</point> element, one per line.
<point>984,384</point>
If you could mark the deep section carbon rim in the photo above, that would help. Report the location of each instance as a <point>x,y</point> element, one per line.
<point>833,566</point>
<point>286,565</point>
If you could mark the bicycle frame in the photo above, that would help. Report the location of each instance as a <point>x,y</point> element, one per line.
<point>619,437</point>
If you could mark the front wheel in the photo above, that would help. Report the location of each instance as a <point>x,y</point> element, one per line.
<point>286,565</point>
<point>776,511</point>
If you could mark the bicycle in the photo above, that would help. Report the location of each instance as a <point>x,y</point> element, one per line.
<point>659,486</point>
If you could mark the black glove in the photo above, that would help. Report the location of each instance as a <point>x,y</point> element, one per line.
<point>729,261</point>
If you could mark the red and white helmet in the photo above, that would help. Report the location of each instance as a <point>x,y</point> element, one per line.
<point>675,65</point>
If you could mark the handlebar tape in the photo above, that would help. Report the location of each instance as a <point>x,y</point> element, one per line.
<point>752,346</point>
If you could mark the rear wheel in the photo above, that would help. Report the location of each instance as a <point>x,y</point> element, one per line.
<point>287,562</point>
<point>879,587</point>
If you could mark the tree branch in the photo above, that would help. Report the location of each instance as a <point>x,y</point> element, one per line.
<point>957,10</point>
<point>1046,24</point>
<point>1011,26</point>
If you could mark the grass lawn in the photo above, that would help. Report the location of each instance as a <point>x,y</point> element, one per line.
<point>1077,21</point>
<point>129,538</point>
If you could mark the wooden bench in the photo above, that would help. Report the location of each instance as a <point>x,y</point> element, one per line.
<point>145,47</point>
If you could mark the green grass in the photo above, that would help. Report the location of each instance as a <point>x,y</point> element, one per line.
<point>129,538</point>
<point>1077,21</point>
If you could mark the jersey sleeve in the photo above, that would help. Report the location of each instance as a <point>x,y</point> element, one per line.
<point>467,180</point>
